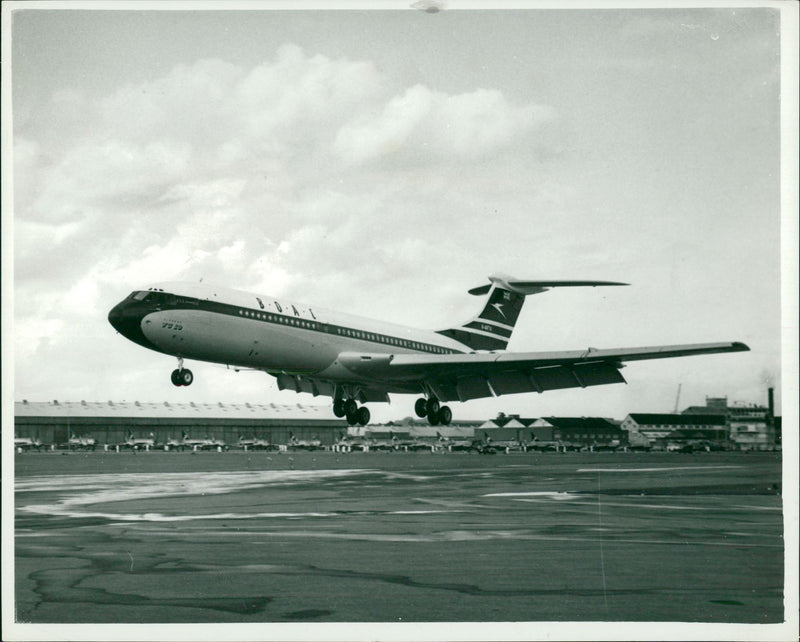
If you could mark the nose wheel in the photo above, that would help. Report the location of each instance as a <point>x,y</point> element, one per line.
<point>182,377</point>
<point>436,413</point>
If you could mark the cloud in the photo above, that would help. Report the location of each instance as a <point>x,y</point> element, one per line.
<point>303,174</point>
<point>422,124</point>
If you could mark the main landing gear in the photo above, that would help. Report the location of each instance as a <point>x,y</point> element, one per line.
<point>182,376</point>
<point>435,413</point>
<point>349,408</point>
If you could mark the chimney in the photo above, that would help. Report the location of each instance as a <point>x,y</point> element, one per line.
<point>771,403</point>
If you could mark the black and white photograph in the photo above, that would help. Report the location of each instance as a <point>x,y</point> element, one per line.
<point>386,321</point>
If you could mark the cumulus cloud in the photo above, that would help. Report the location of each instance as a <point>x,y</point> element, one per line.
<point>304,173</point>
<point>425,124</point>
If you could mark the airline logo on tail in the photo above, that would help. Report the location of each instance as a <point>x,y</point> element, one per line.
<point>492,328</point>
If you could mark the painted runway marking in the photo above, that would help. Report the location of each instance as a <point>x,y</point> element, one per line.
<point>542,493</point>
<point>706,508</point>
<point>462,536</point>
<point>650,470</point>
<point>776,508</point>
<point>76,492</point>
<point>420,512</point>
<point>160,517</point>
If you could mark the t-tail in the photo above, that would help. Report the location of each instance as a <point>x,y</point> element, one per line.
<point>492,328</point>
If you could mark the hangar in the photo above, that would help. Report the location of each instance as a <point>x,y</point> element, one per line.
<point>113,422</point>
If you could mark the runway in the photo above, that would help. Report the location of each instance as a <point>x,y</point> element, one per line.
<point>375,537</point>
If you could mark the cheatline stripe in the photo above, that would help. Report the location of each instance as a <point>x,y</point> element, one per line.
<point>480,325</point>
<point>273,318</point>
<point>504,326</point>
<point>469,330</point>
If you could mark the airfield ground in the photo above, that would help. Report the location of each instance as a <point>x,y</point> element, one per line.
<point>378,537</point>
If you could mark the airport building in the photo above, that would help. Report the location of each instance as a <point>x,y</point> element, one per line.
<point>668,431</point>
<point>54,424</point>
<point>581,432</point>
<point>411,434</point>
<point>115,423</point>
<point>749,426</point>
<point>557,433</point>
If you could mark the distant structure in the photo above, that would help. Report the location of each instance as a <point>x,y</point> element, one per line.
<point>118,423</point>
<point>595,433</point>
<point>218,426</point>
<point>714,426</point>
<point>676,431</point>
<point>555,433</point>
<point>750,426</point>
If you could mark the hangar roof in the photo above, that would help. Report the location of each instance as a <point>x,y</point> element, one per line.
<point>655,419</point>
<point>146,409</point>
<point>582,423</point>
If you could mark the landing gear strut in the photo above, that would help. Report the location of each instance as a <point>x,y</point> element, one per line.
<point>182,376</point>
<point>435,413</point>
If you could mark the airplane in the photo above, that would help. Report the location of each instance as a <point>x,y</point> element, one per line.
<point>201,444</point>
<point>409,444</point>
<point>455,444</point>
<point>256,444</point>
<point>357,360</point>
<point>502,445</point>
<point>541,445</point>
<point>26,443</point>
<point>173,444</point>
<point>304,444</point>
<point>81,443</point>
<point>139,443</point>
<point>348,443</point>
<point>378,444</point>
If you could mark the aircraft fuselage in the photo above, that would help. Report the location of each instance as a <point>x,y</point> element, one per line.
<point>257,331</point>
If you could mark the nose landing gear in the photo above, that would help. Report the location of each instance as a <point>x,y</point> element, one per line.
<point>182,376</point>
<point>435,413</point>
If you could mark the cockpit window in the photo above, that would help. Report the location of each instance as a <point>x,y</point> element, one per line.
<point>160,298</point>
<point>153,297</point>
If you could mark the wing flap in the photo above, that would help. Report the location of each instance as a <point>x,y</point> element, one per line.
<point>475,387</point>
<point>509,382</point>
<point>444,389</point>
<point>598,374</point>
<point>317,387</point>
<point>556,378</point>
<point>299,383</point>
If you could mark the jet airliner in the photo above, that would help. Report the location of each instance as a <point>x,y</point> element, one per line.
<point>355,360</point>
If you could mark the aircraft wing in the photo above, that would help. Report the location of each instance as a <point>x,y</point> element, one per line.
<point>473,375</point>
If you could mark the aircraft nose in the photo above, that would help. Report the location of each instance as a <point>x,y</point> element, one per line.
<point>126,318</point>
<point>115,317</point>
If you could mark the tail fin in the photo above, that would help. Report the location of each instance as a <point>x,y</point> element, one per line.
<point>492,328</point>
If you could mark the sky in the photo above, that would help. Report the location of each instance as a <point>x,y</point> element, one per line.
<point>383,163</point>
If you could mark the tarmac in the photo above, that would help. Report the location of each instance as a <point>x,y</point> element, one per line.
<point>398,537</point>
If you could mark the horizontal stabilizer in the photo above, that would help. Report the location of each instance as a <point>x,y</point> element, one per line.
<point>535,287</point>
